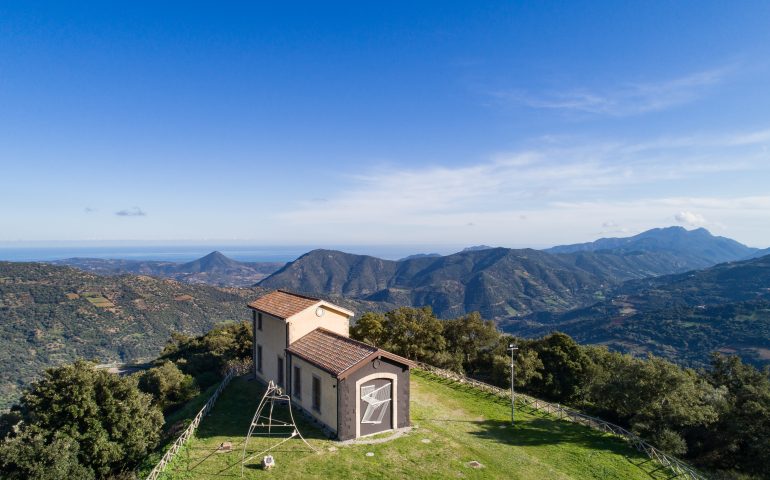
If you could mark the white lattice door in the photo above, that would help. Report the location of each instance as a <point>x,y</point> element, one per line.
<point>376,399</point>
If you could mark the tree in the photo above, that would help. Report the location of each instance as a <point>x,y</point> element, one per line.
<point>473,339</point>
<point>31,455</point>
<point>370,328</point>
<point>741,438</point>
<point>565,368</point>
<point>168,385</point>
<point>658,399</point>
<point>414,333</point>
<point>112,421</point>
<point>670,399</point>
<point>528,365</point>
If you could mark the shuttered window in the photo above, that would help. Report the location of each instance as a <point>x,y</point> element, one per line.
<point>297,378</point>
<point>316,393</point>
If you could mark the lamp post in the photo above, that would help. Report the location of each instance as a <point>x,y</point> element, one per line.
<point>512,347</point>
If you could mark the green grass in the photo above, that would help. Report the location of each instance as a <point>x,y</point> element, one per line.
<point>454,425</point>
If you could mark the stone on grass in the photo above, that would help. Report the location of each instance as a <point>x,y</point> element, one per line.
<point>474,464</point>
<point>425,440</point>
<point>369,454</point>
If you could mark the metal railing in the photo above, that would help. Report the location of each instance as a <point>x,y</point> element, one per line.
<point>233,371</point>
<point>676,466</point>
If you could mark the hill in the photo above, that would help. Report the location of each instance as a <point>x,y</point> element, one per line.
<point>682,317</point>
<point>213,269</point>
<point>454,426</point>
<point>50,315</point>
<point>500,282</point>
<point>693,249</point>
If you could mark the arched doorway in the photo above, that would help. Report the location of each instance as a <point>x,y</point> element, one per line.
<point>376,397</point>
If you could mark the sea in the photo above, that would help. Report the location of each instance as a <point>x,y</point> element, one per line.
<point>186,253</point>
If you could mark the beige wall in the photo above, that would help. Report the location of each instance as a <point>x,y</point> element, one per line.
<point>272,337</point>
<point>306,321</point>
<point>328,414</point>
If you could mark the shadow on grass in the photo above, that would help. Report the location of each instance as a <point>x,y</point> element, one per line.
<point>535,427</point>
<point>235,409</point>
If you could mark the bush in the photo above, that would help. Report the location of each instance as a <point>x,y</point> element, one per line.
<point>209,353</point>
<point>168,386</point>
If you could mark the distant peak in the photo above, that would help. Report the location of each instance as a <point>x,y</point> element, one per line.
<point>476,248</point>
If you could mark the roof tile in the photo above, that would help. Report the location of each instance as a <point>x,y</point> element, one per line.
<point>283,304</point>
<point>330,351</point>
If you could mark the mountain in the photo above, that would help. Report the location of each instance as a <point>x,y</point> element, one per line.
<point>476,248</point>
<point>498,282</point>
<point>420,255</point>
<point>693,248</point>
<point>759,253</point>
<point>682,317</point>
<point>213,269</point>
<point>213,262</point>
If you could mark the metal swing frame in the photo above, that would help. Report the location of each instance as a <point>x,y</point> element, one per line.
<point>272,395</point>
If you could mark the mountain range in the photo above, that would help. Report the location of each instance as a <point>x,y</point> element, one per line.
<point>693,248</point>
<point>659,292</point>
<point>503,282</point>
<point>213,269</point>
<point>676,293</point>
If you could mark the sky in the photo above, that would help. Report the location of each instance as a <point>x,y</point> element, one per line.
<point>382,123</point>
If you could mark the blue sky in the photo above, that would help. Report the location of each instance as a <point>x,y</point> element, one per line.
<point>420,123</point>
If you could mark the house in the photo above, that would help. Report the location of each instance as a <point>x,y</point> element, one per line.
<point>351,388</point>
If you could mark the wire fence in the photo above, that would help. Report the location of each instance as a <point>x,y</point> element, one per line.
<point>234,370</point>
<point>677,467</point>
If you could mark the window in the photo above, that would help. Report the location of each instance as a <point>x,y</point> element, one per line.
<point>280,372</point>
<point>259,358</point>
<point>259,321</point>
<point>297,379</point>
<point>316,393</point>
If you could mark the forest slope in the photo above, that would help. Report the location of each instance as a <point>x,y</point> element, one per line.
<point>682,317</point>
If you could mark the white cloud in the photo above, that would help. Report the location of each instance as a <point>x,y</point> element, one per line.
<point>559,189</point>
<point>690,219</point>
<point>627,99</point>
<point>131,212</point>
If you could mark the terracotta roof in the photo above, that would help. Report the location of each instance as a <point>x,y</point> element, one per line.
<point>330,351</point>
<point>283,304</point>
<point>337,354</point>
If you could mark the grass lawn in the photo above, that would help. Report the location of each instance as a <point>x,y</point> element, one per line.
<point>454,424</point>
